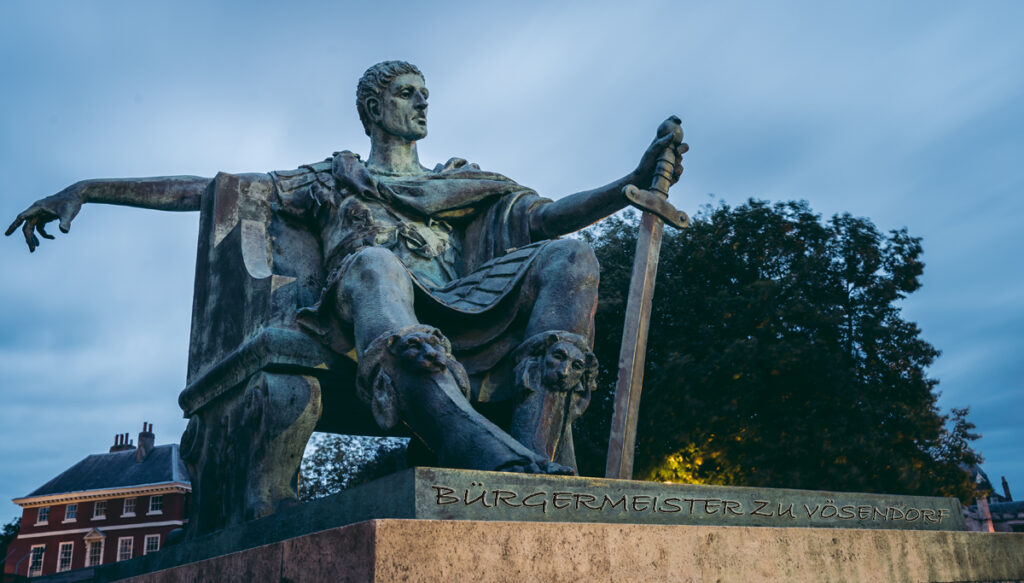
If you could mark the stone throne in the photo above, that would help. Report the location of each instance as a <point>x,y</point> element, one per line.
<point>257,386</point>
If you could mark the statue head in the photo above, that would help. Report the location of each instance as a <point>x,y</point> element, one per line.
<point>564,365</point>
<point>556,361</point>
<point>400,110</point>
<point>421,350</point>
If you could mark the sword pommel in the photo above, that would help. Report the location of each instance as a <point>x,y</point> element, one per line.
<point>674,125</point>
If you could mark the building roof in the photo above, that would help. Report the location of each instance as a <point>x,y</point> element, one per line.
<point>118,470</point>
<point>1006,508</point>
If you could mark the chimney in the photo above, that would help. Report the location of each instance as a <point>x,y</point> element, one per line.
<point>121,443</point>
<point>1006,490</point>
<point>146,440</point>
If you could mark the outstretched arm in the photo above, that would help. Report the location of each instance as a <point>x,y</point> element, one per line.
<point>582,209</point>
<point>166,193</point>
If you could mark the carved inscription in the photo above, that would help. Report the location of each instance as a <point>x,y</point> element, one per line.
<point>828,510</point>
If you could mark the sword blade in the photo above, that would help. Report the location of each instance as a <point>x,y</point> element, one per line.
<point>632,355</point>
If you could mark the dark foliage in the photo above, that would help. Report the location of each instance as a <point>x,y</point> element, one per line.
<point>778,357</point>
<point>8,533</point>
<point>336,462</point>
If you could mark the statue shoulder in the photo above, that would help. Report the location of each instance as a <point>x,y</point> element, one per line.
<point>305,191</point>
<point>317,173</point>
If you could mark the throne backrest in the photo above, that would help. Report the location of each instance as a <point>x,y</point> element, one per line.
<point>254,270</point>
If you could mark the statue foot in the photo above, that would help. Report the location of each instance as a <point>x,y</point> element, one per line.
<point>536,467</point>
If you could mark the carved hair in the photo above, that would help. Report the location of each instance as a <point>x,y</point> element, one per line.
<point>375,80</point>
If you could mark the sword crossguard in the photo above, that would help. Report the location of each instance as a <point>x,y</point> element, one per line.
<point>654,203</point>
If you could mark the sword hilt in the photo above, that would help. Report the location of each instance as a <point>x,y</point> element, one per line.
<point>655,200</point>
<point>667,160</point>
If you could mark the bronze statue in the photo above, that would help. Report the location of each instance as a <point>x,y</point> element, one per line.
<point>450,284</point>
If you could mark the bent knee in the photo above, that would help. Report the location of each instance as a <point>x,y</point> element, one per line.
<point>376,266</point>
<point>572,257</point>
<point>376,261</point>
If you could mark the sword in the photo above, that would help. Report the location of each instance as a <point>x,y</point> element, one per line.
<point>657,211</point>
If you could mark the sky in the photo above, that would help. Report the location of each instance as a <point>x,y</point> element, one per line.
<point>908,113</point>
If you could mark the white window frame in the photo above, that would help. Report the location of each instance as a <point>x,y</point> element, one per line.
<point>42,515</point>
<point>97,505</point>
<point>124,510</point>
<point>88,553</point>
<point>71,508</point>
<point>33,569</point>
<point>145,545</point>
<point>121,547</point>
<point>61,566</point>
<point>159,499</point>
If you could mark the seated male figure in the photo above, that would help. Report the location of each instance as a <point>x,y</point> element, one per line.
<point>438,277</point>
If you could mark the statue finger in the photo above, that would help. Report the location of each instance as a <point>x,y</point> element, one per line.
<point>65,219</point>
<point>28,229</point>
<point>17,222</point>
<point>661,142</point>
<point>41,228</point>
<point>676,173</point>
<point>682,148</point>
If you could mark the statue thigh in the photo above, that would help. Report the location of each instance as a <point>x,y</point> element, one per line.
<point>376,295</point>
<point>561,287</point>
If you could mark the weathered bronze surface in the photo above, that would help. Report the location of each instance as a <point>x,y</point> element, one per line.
<point>638,304</point>
<point>378,296</point>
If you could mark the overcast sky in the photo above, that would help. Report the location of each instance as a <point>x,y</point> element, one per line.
<point>909,113</point>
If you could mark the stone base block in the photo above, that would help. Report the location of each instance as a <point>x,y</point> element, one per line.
<point>481,551</point>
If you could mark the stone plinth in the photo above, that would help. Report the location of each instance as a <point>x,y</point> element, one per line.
<point>481,551</point>
<point>430,494</point>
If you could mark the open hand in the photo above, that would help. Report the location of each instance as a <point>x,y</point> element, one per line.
<point>64,206</point>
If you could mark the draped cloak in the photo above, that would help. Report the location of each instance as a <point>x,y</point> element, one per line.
<point>462,234</point>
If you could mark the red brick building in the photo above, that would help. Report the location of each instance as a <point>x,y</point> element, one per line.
<point>108,507</point>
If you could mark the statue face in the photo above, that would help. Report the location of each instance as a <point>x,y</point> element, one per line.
<point>419,351</point>
<point>564,365</point>
<point>402,110</point>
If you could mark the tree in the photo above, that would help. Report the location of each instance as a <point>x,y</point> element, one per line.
<point>8,533</point>
<point>333,463</point>
<point>778,357</point>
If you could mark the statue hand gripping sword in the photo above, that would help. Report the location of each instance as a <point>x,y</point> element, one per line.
<point>657,212</point>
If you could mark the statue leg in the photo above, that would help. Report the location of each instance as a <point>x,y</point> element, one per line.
<point>376,295</point>
<point>562,283</point>
<point>407,373</point>
<point>555,371</point>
